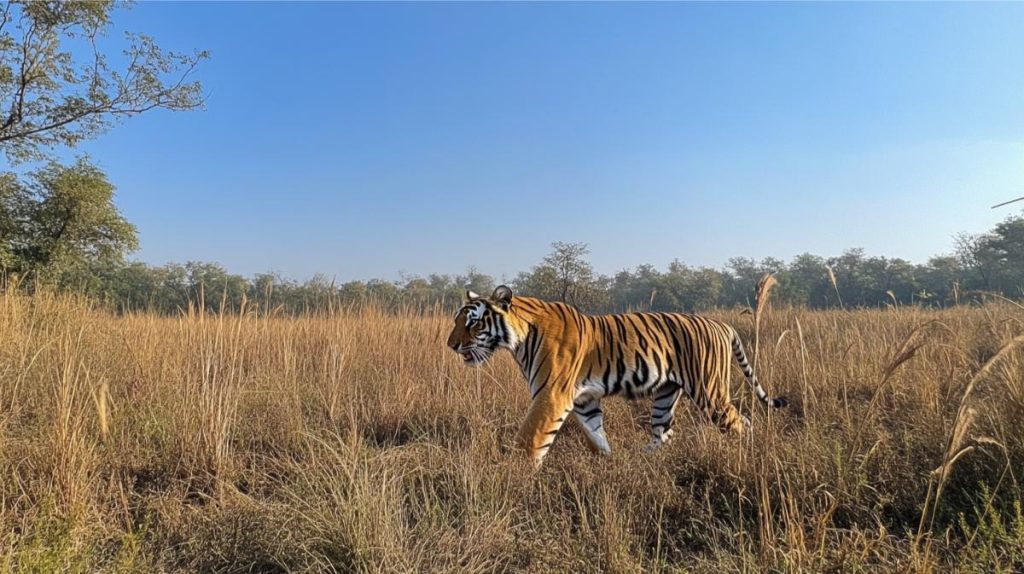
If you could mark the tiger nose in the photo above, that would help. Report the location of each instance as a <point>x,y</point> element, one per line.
<point>453,343</point>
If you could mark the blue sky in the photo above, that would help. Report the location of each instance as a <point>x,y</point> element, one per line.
<point>364,140</point>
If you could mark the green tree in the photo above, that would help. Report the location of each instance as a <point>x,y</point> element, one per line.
<point>130,287</point>
<point>646,292</point>
<point>853,281</point>
<point>571,269</point>
<point>61,220</point>
<point>565,276</point>
<point>52,95</point>
<point>620,290</point>
<point>475,281</point>
<point>417,291</point>
<point>1004,246</point>
<point>12,197</point>
<point>705,288</point>
<point>979,261</point>
<point>937,280</point>
<point>744,274</point>
<point>213,287</point>
<point>691,289</point>
<point>384,292</point>
<point>805,281</point>
<point>540,282</point>
<point>354,292</point>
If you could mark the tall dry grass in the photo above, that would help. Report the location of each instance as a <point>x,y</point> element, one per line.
<point>356,442</point>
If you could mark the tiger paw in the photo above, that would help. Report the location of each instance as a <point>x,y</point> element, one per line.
<point>658,440</point>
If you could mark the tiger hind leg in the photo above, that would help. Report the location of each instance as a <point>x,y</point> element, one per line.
<point>728,419</point>
<point>662,414</point>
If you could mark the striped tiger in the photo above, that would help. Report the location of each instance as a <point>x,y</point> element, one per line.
<point>572,360</point>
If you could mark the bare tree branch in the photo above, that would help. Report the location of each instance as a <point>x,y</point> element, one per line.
<point>1007,202</point>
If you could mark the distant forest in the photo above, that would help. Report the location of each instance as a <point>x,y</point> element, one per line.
<point>980,264</point>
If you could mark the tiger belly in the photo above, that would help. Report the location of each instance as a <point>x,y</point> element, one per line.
<point>643,381</point>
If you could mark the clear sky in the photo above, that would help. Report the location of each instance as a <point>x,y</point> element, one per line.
<point>364,140</point>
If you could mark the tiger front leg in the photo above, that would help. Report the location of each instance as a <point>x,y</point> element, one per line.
<point>591,418</point>
<point>546,415</point>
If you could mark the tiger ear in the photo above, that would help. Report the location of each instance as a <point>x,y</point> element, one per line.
<point>471,296</point>
<point>502,296</point>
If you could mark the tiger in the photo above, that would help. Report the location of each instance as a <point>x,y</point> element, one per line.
<point>572,360</point>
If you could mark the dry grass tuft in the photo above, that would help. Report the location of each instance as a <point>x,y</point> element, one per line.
<point>835,284</point>
<point>959,434</point>
<point>762,297</point>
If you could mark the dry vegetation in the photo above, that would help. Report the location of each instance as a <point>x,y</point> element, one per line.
<point>357,442</point>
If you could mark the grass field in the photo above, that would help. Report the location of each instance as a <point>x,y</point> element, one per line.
<point>357,442</point>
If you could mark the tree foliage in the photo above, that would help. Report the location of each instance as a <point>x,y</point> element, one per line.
<point>61,220</point>
<point>58,223</point>
<point>58,87</point>
<point>565,275</point>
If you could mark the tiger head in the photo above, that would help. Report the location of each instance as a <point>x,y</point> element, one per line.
<point>482,326</point>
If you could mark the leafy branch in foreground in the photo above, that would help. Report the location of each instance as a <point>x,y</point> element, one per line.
<point>57,87</point>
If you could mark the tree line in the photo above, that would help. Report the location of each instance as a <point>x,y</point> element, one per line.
<point>981,264</point>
